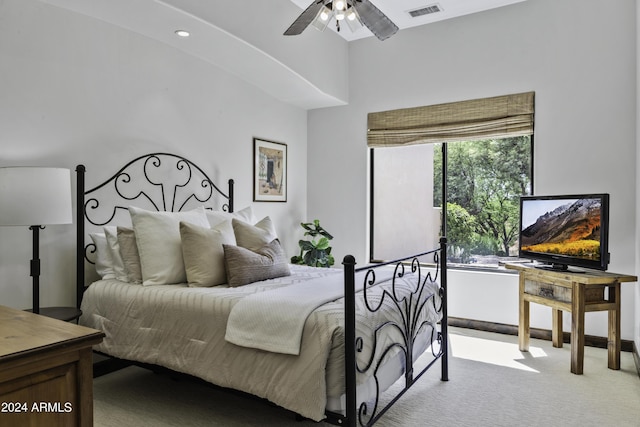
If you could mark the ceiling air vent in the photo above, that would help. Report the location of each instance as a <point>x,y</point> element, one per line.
<point>427,10</point>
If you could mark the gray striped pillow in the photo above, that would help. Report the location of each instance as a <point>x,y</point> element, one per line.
<point>245,266</point>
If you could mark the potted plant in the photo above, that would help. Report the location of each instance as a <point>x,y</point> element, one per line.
<point>315,252</point>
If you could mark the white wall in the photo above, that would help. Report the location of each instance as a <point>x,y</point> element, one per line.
<point>77,90</point>
<point>637,233</point>
<point>579,58</point>
<point>394,211</point>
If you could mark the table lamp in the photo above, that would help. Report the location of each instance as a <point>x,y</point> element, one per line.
<point>35,197</point>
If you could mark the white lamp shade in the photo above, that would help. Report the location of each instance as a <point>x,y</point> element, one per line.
<point>35,196</point>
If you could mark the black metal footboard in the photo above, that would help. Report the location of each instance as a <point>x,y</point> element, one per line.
<point>410,309</point>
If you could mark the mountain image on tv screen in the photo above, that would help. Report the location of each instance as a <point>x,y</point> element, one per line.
<point>572,228</point>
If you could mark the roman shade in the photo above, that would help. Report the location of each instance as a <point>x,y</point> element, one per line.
<point>496,117</point>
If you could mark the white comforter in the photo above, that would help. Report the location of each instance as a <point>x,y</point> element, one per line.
<point>274,320</point>
<point>183,329</point>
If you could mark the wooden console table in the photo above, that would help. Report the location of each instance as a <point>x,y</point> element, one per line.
<point>46,370</point>
<point>575,292</point>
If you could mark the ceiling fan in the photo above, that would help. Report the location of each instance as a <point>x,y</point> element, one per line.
<point>320,12</point>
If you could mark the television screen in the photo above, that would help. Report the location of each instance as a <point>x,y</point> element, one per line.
<point>565,230</point>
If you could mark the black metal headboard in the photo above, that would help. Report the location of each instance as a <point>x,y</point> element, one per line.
<point>156,181</point>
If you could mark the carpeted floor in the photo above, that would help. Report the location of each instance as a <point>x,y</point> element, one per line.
<point>491,383</point>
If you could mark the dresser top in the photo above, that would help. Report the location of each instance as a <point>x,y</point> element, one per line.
<point>22,332</point>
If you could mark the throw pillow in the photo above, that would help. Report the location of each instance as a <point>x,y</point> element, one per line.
<point>111,233</point>
<point>129,253</point>
<point>203,254</point>
<point>253,237</point>
<point>245,266</point>
<point>159,243</point>
<point>216,217</point>
<point>104,264</point>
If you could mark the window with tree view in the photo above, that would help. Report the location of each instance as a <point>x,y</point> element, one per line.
<point>485,180</point>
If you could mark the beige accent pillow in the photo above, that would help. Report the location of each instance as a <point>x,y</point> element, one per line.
<point>216,217</point>
<point>203,254</point>
<point>129,253</point>
<point>245,266</point>
<point>111,234</point>
<point>159,243</point>
<point>253,237</point>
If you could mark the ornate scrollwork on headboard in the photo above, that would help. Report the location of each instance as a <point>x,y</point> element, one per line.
<point>157,181</point>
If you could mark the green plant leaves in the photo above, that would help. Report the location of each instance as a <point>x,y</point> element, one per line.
<point>316,253</point>
<point>314,229</point>
<point>322,244</point>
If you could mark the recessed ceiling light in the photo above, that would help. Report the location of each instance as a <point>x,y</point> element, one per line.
<point>182,33</point>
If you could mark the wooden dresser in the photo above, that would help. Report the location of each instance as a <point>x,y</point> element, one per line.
<point>46,372</point>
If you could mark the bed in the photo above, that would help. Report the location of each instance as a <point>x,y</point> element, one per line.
<point>177,278</point>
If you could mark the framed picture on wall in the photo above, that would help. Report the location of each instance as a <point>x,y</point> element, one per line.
<point>269,171</point>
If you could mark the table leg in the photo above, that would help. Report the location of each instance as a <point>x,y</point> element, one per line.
<point>85,387</point>
<point>577,328</point>
<point>614,327</point>
<point>556,328</point>
<point>523,323</point>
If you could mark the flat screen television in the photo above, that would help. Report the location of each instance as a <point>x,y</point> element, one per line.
<point>565,230</point>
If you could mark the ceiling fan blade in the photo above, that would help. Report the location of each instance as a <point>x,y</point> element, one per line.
<point>376,21</point>
<point>304,19</point>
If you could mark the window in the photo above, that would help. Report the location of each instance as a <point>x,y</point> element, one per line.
<point>481,149</point>
<point>485,180</point>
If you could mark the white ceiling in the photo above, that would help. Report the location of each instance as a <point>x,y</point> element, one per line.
<point>158,19</point>
<point>398,12</point>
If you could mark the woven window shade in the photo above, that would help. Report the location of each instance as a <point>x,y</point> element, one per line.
<point>497,117</point>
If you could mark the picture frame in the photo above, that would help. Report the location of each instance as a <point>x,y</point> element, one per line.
<point>269,171</point>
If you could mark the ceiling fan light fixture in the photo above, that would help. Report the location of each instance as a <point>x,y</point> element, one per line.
<point>340,5</point>
<point>353,20</point>
<point>322,19</point>
<point>357,14</point>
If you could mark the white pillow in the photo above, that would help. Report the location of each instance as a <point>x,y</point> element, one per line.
<point>104,264</point>
<point>119,269</point>
<point>159,244</point>
<point>203,253</point>
<point>216,217</point>
<point>253,237</point>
